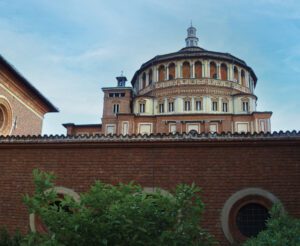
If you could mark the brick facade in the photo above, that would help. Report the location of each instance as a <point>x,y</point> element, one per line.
<point>23,106</point>
<point>221,165</point>
<point>214,91</point>
<point>25,121</point>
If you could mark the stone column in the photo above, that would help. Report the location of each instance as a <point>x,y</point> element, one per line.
<point>180,71</point>
<point>240,76</point>
<point>167,74</point>
<point>207,69</point>
<point>156,74</point>
<point>218,71</point>
<point>232,72</point>
<point>193,70</point>
<point>147,78</point>
<point>247,79</point>
<point>177,68</point>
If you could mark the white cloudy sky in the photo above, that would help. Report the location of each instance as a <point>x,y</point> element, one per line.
<point>69,49</point>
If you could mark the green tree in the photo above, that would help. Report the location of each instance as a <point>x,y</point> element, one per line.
<point>117,215</point>
<point>282,230</point>
<point>9,240</point>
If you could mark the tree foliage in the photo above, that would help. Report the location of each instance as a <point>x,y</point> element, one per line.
<point>281,230</point>
<point>117,215</point>
<point>9,240</point>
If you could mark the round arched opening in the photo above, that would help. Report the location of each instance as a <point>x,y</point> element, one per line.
<point>5,117</point>
<point>245,214</point>
<point>236,74</point>
<point>161,73</point>
<point>150,77</point>
<point>36,223</point>
<point>144,80</point>
<point>251,219</point>
<point>171,74</point>
<point>213,70</point>
<point>198,70</point>
<point>224,75</point>
<point>186,70</point>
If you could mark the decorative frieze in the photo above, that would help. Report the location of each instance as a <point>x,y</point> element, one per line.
<point>203,81</point>
<point>202,91</point>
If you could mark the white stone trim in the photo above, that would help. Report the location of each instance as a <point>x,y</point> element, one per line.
<point>110,125</point>
<point>170,126</point>
<point>59,190</point>
<point>213,124</point>
<point>151,190</point>
<point>122,126</point>
<point>242,122</point>
<point>145,123</point>
<point>10,116</point>
<point>193,124</point>
<point>18,99</point>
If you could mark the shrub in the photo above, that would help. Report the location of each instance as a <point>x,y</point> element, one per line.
<point>8,240</point>
<point>117,215</point>
<point>281,230</point>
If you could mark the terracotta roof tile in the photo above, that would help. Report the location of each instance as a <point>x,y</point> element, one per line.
<point>185,137</point>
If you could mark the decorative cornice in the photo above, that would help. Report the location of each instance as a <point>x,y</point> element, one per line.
<point>177,137</point>
<point>196,83</point>
<point>116,88</point>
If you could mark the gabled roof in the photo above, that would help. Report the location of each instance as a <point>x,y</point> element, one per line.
<point>21,79</point>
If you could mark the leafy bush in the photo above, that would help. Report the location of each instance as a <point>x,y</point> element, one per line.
<point>7,240</point>
<point>117,215</point>
<point>281,230</point>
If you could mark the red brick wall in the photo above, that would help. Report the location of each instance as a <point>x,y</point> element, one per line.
<point>28,122</point>
<point>225,121</point>
<point>75,130</point>
<point>124,102</point>
<point>220,167</point>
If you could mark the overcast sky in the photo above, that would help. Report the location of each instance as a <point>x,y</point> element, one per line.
<point>69,49</point>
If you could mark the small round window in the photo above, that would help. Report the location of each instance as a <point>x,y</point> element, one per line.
<point>245,214</point>
<point>251,219</point>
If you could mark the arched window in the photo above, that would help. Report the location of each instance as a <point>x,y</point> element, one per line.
<point>161,73</point>
<point>236,74</point>
<point>243,78</point>
<point>150,76</point>
<point>213,70</point>
<point>142,106</point>
<point>198,70</point>
<point>245,213</point>
<point>144,80</point>
<point>187,105</point>
<point>2,118</point>
<point>171,74</point>
<point>186,70</point>
<point>5,117</point>
<point>251,219</point>
<point>224,75</point>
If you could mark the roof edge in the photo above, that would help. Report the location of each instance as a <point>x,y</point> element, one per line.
<point>192,136</point>
<point>47,103</point>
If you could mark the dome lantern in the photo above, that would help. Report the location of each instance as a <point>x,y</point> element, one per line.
<point>121,80</point>
<point>191,40</point>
